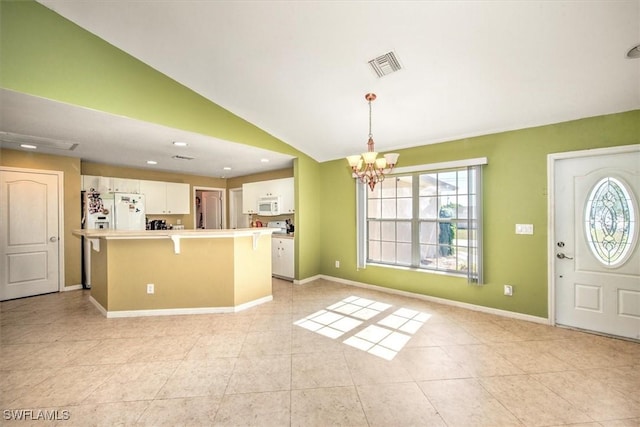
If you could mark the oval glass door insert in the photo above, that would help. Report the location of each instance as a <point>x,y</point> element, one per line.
<point>610,222</point>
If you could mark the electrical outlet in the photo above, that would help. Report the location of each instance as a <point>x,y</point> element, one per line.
<point>150,288</point>
<point>508,290</point>
<point>337,264</point>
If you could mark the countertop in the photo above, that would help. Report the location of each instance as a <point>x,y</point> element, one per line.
<point>95,236</point>
<point>171,234</point>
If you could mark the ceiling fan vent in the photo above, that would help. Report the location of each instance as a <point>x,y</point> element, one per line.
<point>385,64</point>
<point>180,157</point>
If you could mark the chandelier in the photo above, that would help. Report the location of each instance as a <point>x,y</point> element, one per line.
<point>368,167</point>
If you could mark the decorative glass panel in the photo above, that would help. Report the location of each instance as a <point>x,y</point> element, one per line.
<point>610,221</point>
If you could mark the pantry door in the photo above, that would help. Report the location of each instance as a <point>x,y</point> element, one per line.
<point>594,241</point>
<point>30,233</point>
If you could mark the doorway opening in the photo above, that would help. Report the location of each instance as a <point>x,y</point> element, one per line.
<point>209,210</point>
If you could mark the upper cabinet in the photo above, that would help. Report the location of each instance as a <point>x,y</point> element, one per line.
<point>105,184</point>
<point>282,188</point>
<point>166,197</point>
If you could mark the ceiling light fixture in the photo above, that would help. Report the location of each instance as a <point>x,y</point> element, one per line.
<point>367,167</point>
<point>152,162</point>
<point>264,160</point>
<point>180,144</point>
<point>227,168</point>
<point>28,146</point>
<point>634,52</point>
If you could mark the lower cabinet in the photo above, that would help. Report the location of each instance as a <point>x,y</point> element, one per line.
<point>282,257</point>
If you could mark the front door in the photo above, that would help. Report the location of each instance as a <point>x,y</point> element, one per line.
<point>29,235</point>
<point>596,269</point>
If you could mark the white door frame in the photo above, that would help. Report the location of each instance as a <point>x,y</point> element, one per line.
<point>232,207</point>
<point>61,229</point>
<point>223,198</point>
<point>551,249</point>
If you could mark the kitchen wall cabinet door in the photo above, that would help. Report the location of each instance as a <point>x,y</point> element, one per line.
<point>250,193</point>
<point>106,184</point>
<point>282,257</point>
<point>165,197</point>
<point>178,199</point>
<point>124,185</point>
<point>254,191</point>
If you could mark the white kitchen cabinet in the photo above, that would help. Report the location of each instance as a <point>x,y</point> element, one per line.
<point>125,185</point>
<point>250,198</point>
<point>165,197</point>
<point>283,188</point>
<point>282,257</point>
<point>107,184</point>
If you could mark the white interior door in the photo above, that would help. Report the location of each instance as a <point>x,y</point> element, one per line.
<point>597,261</point>
<point>29,241</point>
<point>211,210</point>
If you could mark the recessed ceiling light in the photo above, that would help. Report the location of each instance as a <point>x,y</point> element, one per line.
<point>227,168</point>
<point>264,160</point>
<point>28,146</point>
<point>152,162</point>
<point>634,52</point>
<point>180,144</point>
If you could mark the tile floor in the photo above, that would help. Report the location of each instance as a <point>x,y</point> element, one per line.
<point>60,358</point>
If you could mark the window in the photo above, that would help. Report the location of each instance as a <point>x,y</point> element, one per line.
<point>428,220</point>
<point>610,222</point>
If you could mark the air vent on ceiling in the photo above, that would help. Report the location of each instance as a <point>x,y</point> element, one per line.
<point>16,138</point>
<point>385,64</point>
<point>181,157</point>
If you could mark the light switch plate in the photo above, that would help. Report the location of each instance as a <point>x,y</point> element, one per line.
<point>524,228</point>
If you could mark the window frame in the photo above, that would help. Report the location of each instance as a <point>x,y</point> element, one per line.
<point>475,253</point>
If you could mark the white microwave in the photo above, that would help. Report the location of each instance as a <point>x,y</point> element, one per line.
<point>269,206</point>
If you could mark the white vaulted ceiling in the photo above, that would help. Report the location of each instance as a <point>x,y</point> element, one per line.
<point>298,69</point>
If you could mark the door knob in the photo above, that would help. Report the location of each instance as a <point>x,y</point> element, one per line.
<point>562,256</point>
<point>53,239</point>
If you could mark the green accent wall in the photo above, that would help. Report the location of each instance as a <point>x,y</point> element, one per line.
<point>515,191</point>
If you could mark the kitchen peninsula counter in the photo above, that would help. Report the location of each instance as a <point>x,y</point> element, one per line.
<point>192,271</point>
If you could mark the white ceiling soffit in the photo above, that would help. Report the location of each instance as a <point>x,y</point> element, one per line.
<point>110,139</point>
<point>299,69</point>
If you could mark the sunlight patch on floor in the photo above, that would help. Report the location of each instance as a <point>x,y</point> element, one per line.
<point>366,325</point>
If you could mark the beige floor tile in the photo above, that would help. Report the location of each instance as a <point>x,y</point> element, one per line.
<point>217,345</point>
<point>395,405</point>
<point>255,409</point>
<point>368,369</point>
<point>192,411</point>
<point>430,363</point>
<point>105,414</point>
<point>207,377</point>
<point>68,386</point>
<point>313,370</point>
<point>267,343</point>
<point>466,403</point>
<point>58,352</point>
<point>305,341</point>
<point>531,356</point>
<point>335,406</point>
<point>481,360</point>
<point>260,373</point>
<point>533,403</point>
<point>594,397</point>
<point>133,381</point>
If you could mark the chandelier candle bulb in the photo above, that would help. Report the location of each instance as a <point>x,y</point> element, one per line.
<point>368,167</point>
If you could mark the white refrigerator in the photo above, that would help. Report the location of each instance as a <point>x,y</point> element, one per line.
<point>128,211</point>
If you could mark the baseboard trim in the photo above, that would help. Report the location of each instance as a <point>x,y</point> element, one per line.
<point>177,311</point>
<point>444,301</point>
<point>71,288</point>
<point>308,279</point>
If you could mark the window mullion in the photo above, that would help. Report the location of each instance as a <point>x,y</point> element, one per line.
<point>415,221</point>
